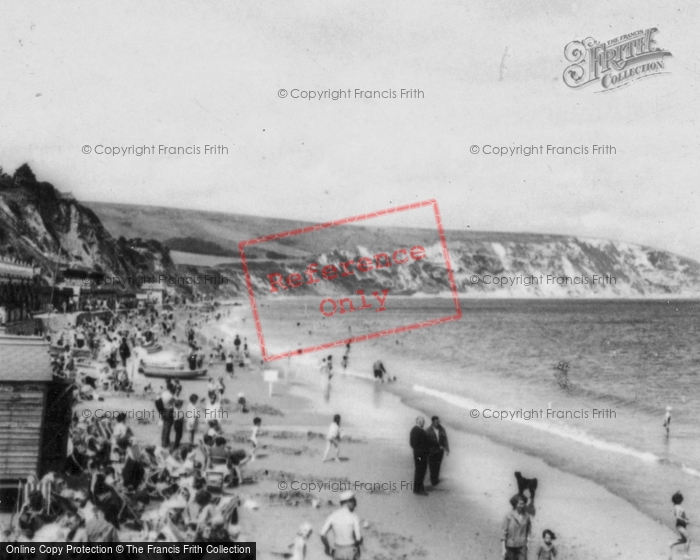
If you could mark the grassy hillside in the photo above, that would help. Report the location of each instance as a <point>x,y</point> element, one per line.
<point>223,232</point>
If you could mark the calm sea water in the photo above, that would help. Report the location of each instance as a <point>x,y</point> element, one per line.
<point>633,358</point>
<point>643,354</point>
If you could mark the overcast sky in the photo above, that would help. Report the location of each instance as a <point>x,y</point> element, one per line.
<point>194,73</point>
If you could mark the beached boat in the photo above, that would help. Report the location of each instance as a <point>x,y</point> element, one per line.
<point>153,348</point>
<point>173,372</point>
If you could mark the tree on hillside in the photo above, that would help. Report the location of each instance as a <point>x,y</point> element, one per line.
<point>24,174</point>
<point>5,179</point>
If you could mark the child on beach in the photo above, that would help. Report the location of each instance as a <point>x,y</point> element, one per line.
<point>215,407</point>
<point>229,364</point>
<point>214,429</point>
<point>192,417</point>
<point>242,403</point>
<point>299,545</point>
<point>257,422</point>
<point>681,526</point>
<point>333,438</point>
<point>547,551</point>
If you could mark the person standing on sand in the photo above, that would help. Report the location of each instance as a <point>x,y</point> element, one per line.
<point>229,364</point>
<point>516,529</point>
<point>124,352</point>
<point>333,438</point>
<point>419,444</point>
<point>178,422</point>
<point>437,447</point>
<point>192,417</point>
<point>681,526</point>
<point>345,525</point>
<point>667,420</point>
<point>168,415</point>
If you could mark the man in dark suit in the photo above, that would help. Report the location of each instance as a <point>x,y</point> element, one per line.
<point>437,447</point>
<point>419,444</point>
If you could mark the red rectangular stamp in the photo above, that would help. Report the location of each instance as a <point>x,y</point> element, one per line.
<point>350,280</point>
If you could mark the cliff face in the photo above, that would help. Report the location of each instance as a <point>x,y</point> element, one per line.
<point>36,221</point>
<point>540,268</point>
<point>572,267</point>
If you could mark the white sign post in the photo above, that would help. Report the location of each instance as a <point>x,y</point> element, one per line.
<point>270,376</point>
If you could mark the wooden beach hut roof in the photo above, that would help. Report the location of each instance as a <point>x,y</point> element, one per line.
<point>25,373</point>
<point>24,358</point>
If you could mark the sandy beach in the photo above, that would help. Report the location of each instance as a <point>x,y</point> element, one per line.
<point>459,519</point>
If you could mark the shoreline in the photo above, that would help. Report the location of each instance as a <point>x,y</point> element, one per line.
<point>658,466</point>
<point>597,497</point>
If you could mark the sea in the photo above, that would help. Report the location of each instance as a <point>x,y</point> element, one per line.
<point>583,384</point>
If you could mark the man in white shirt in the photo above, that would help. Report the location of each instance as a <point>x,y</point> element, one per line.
<point>345,525</point>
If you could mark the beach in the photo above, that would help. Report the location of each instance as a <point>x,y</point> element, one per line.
<point>459,519</point>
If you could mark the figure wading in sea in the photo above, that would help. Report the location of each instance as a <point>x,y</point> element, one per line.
<point>667,421</point>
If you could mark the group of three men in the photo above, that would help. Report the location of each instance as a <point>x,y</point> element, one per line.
<point>429,447</point>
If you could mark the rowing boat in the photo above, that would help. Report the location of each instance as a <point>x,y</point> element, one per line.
<point>171,372</point>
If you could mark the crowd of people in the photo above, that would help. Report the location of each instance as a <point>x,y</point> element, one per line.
<point>112,486</point>
<point>115,487</point>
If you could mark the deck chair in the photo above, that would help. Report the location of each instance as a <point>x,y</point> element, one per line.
<point>153,473</point>
<point>228,509</point>
<point>127,511</point>
<point>215,470</point>
<point>104,428</point>
<point>46,488</point>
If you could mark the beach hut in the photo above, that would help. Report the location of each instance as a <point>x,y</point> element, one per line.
<point>35,413</point>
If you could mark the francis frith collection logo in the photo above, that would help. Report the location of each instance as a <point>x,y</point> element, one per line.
<point>615,63</point>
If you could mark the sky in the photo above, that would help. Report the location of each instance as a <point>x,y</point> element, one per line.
<point>190,74</point>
